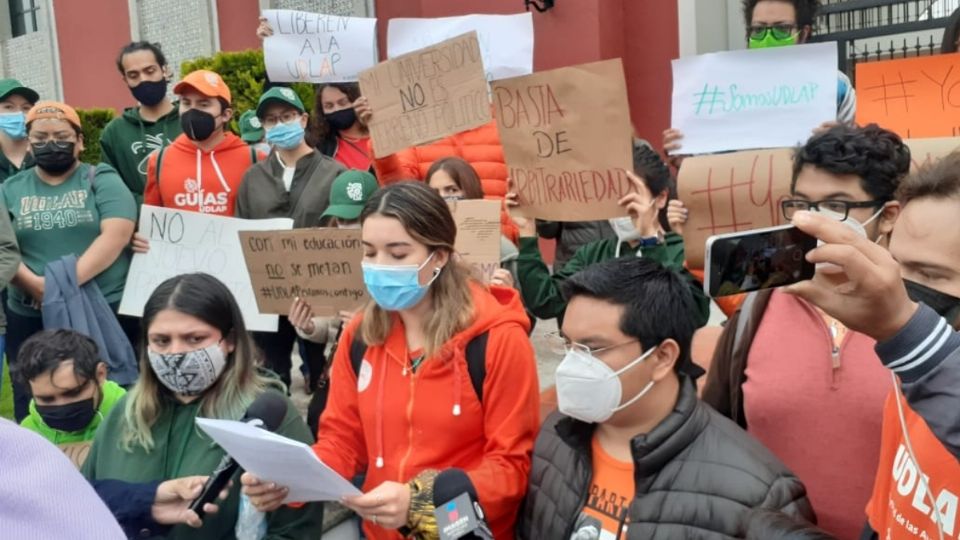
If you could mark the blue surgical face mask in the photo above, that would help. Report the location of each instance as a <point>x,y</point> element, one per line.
<point>286,136</point>
<point>396,287</point>
<point>14,125</point>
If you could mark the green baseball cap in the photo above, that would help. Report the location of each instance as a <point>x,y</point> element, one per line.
<point>349,192</point>
<point>13,86</point>
<point>251,130</point>
<point>281,94</point>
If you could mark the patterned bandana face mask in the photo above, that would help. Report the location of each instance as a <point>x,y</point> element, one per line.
<point>190,373</point>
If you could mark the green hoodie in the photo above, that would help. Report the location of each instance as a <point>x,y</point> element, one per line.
<point>127,141</point>
<point>181,449</point>
<point>541,291</point>
<point>112,392</point>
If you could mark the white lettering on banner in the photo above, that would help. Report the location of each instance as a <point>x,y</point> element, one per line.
<point>183,242</point>
<point>907,478</point>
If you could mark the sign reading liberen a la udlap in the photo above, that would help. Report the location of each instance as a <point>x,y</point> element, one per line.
<point>761,98</point>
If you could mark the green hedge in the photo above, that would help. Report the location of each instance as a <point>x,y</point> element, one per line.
<point>244,72</point>
<point>93,121</point>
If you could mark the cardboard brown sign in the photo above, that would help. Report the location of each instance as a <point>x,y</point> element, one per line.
<point>426,95</point>
<point>741,191</point>
<point>478,235</point>
<point>320,266</point>
<point>566,136</point>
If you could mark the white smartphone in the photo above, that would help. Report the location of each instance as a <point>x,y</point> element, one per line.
<point>759,259</point>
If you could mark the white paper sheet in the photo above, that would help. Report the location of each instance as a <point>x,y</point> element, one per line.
<point>506,41</point>
<point>275,458</point>
<point>766,98</point>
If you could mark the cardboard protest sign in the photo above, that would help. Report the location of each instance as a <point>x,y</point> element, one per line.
<point>506,41</point>
<point>741,191</point>
<point>76,452</point>
<point>914,97</point>
<point>426,95</point>
<point>478,235</point>
<point>566,136</point>
<point>719,102</point>
<point>183,242</point>
<point>320,266</point>
<point>318,48</point>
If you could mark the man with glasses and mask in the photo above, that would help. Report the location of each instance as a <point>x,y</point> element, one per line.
<point>632,452</point>
<point>128,140</point>
<point>801,382</point>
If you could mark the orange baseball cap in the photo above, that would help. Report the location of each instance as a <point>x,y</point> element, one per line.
<point>54,110</point>
<point>206,82</point>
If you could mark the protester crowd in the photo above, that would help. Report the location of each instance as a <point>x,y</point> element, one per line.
<point>831,408</point>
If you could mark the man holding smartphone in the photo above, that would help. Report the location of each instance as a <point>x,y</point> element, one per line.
<point>799,380</point>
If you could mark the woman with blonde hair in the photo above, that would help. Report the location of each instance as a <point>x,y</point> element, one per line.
<point>436,373</point>
<point>197,361</point>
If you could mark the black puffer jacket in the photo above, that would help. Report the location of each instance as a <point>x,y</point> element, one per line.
<point>697,476</point>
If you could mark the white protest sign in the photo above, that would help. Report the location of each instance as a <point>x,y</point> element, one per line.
<point>761,98</point>
<point>185,242</point>
<point>506,41</point>
<point>318,48</point>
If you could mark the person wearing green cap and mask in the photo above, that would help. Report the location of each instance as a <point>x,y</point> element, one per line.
<point>15,101</point>
<point>293,182</point>
<point>252,132</point>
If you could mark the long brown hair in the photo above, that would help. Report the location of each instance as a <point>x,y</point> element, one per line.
<point>319,130</point>
<point>427,219</point>
<point>462,174</point>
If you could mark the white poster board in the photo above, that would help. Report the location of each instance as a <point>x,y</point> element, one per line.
<point>506,41</point>
<point>318,48</point>
<point>761,98</point>
<point>185,242</point>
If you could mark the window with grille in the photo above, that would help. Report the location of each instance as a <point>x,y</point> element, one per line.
<point>23,16</point>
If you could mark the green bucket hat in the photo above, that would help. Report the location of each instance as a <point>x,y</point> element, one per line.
<point>13,86</point>
<point>251,130</point>
<point>281,94</point>
<point>349,192</point>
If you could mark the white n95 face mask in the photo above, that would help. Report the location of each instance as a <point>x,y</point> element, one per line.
<point>589,390</point>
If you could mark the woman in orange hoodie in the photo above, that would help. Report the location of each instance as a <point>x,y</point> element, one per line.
<point>414,406</point>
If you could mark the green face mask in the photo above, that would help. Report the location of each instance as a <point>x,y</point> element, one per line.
<point>770,40</point>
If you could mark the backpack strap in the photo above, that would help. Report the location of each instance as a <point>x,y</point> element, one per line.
<point>476,360</point>
<point>253,156</point>
<point>157,179</point>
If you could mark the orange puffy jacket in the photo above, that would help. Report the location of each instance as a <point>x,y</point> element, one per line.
<point>395,424</point>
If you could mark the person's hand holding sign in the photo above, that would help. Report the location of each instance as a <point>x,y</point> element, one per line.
<point>264,30</point>
<point>527,226</point>
<point>364,112</point>
<point>677,215</point>
<point>643,207</point>
<point>865,292</point>
<point>301,316</point>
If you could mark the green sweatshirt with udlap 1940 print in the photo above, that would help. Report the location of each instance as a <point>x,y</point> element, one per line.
<point>541,290</point>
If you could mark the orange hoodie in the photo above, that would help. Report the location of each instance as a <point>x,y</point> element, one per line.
<point>395,424</point>
<point>196,180</point>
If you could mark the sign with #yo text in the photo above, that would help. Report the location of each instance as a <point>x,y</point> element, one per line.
<point>318,48</point>
<point>426,95</point>
<point>567,139</point>
<point>751,99</point>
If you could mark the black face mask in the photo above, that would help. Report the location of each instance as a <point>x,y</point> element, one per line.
<point>150,93</point>
<point>342,119</point>
<point>198,125</point>
<point>70,417</point>
<point>945,305</point>
<point>52,158</point>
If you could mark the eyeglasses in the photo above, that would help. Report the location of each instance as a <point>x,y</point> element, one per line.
<point>59,143</point>
<point>779,31</point>
<point>286,118</point>
<point>560,345</point>
<point>839,208</point>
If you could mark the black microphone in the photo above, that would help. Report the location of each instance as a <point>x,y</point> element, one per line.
<point>267,412</point>
<point>457,509</point>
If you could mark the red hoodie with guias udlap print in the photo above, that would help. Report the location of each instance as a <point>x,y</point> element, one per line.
<point>196,180</point>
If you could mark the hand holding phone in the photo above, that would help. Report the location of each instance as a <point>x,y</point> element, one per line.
<point>749,261</point>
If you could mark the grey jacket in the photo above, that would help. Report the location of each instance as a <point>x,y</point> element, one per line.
<point>85,310</point>
<point>697,476</point>
<point>262,194</point>
<point>9,256</point>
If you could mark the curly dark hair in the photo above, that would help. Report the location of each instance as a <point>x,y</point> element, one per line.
<point>806,11</point>
<point>878,156</point>
<point>648,164</point>
<point>937,180</point>
<point>137,46</point>
<point>46,350</point>
<point>319,131</point>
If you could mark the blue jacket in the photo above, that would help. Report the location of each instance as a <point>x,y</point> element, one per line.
<point>85,310</point>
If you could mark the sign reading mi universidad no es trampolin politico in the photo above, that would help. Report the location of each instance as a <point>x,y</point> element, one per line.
<point>762,98</point>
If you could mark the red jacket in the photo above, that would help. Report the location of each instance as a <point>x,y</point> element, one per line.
<point>395,424</point>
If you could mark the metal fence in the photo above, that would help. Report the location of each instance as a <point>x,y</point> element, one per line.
<point>870,30</point>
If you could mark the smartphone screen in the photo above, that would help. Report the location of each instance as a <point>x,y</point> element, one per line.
<point>754,260</point>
